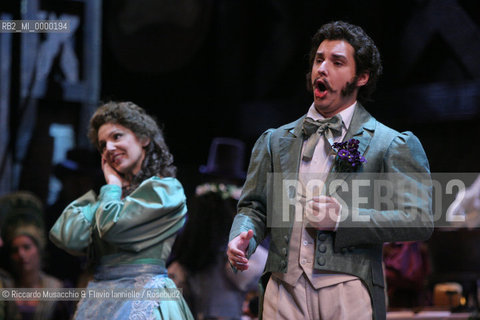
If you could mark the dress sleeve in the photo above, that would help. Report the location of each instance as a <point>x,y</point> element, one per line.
<point>71,231</point>
<point>152,213</point>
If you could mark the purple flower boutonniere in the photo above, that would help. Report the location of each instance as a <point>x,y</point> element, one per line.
<point>348,158</point>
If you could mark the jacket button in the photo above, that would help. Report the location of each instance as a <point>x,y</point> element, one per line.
<point>321,260</point>
<point>322,237</point>
<point>286,238</point>
<point>283,264</point>
<point>284,250</point>
<point>322,248</point>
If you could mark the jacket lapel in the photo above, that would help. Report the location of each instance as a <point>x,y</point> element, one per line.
<point>361,128</point>
<point>290,147</point>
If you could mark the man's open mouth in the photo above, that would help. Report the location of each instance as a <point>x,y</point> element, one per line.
<point>321,88</point>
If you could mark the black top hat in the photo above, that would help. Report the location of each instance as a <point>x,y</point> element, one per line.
<point>225,159</point>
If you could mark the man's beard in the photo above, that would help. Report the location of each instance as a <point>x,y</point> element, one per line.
<point>350,87</point>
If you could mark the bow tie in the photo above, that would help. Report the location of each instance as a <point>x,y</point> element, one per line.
<point>313,129</point>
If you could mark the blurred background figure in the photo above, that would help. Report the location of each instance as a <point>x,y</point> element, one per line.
<point>8,309</point>
<point>199,263</point>
<point>407,270</point>
<point>25,241</point>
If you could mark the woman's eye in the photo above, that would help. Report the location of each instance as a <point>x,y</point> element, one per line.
<point>116,136</point>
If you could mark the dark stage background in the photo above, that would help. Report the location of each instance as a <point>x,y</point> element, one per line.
<point>235,68</point>
<point>240,69</point>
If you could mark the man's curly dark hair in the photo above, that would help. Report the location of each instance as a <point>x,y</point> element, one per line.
<point>158,159</point>
<point>367,57</point>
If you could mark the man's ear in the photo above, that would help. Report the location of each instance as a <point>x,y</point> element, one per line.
<point>363,79</point>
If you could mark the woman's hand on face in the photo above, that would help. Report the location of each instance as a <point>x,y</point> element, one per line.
<point>111,175</point>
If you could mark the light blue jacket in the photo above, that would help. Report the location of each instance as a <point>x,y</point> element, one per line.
<point>356,247</point>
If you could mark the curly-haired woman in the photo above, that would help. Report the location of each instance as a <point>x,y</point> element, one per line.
<point>128,230</point>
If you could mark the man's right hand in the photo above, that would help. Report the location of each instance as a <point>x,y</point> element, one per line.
<point>237,250</point>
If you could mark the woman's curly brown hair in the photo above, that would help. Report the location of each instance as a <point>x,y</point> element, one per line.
<point>158,159</point>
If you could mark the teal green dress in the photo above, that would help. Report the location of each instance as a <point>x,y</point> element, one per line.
<point>129,240</point>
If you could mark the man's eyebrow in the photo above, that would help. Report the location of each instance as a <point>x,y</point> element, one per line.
<point>320,54</point>
<point>339,56</point>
